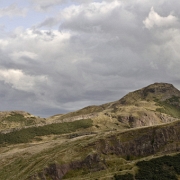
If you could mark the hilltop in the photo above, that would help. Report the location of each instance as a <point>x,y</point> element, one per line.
<point>12,120</point>
<point>109,141</point>
<point>155,104</point>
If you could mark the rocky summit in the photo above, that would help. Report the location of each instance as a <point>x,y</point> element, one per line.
<point>135,138</point>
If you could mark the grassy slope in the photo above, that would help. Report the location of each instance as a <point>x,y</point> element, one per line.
<point>84,111</point>
<point>19,161</point>
<point>19,166</point>
<point>61,149</point>
<point>160,168</point>
<point>24,162</point>
<point>26,135</point>
<point>18,119</point>
<point>171,106</point>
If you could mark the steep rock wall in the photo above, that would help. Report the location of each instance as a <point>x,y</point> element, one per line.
<point>130,144</point>
<point>142,142</point>
<point>147,118</point>
<point>92,162</point>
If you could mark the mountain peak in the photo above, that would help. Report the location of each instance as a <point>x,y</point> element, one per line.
<point>160,91</point>
<point>160,87</point>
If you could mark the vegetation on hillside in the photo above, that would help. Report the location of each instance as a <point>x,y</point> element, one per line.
<point>170,106</point>
<point>19,118</point>
<point>163,168</point>
<point>127,176</point>
<point>118,151</point>
<point>26,135</point>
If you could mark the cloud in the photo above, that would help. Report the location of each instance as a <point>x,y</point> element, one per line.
<point>100,52</point>
<point>13,10</point>
<point>154,19</point>
<point>23,54</point>
<point>3,43</point>
<point>90,12</point>
<point>45,5</point>
<point>19,80</point>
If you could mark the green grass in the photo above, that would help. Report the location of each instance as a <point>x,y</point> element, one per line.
<point>127,176</point>
<point>23,165</point>
<point>19,118</point>
<point>171,106</point>
<point>169,109</point>
<point>163,168</point>
<point>26,135</point>
<point>15,117</point>
<point>174,99</point>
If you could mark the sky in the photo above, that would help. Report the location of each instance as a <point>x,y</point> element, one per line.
<point>58,56</point>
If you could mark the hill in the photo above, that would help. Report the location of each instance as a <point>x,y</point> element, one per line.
<point>12,120</point>
<point>155,104</point>
<point>116,140</point>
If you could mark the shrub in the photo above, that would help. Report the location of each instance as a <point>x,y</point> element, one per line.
<point>163,168</point>
<point>123,177</point>
<point>26,135</point>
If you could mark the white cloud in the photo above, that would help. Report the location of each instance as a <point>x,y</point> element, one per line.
<point>100,52</point>
<point>154,19</point>
<point>3,43</point>
<point>90,10</point>
<point>32,44</point>
<point>19,80</point>
<point>13,10</point>
<point>94,11</point>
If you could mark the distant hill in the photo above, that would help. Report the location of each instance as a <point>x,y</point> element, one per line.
<point>10,120</point>
<point>125,139</point>
<point>155,104</point>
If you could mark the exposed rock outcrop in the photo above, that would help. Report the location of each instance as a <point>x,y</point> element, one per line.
<point>131,144</point>
<point>76,118</point>
<point>142,142</point>
<point>92,163</point>
<point>146,119</point>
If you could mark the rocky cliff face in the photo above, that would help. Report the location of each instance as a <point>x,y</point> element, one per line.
<point>76,118</point>
<point>92,163</point>
<point>146,119</point>
<point>142,142</point>
<point>131,144</point>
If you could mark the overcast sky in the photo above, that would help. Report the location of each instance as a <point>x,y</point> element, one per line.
<point>58,56</point>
